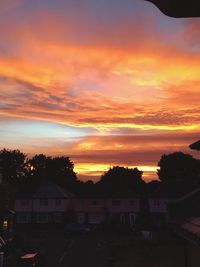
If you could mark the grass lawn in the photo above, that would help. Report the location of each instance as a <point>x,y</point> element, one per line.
<point>148,254</point>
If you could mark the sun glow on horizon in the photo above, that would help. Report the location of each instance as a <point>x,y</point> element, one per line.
<point>96,170</point>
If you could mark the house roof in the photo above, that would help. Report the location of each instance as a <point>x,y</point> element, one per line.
<point>50,190</point>
<point>47,190</point>
<point>188,224</point>
<point>192,226</point>
<point>186,196</point>
<point>189,230</point>
<point>172,191</point>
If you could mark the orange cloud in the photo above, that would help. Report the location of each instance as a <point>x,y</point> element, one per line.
<point>118,77</point>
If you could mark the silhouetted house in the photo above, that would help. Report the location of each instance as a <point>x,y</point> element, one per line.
<point>96,210</point>
<point>89,210</point>
<point>6,214</point>
<point>49,205</point>
<point>157,207</point>
<point>158,202</point>
<point>123,209</point>
<point>184,217</point>
<point>158,210</point>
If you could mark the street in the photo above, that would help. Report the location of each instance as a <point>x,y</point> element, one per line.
<point>74,251</point>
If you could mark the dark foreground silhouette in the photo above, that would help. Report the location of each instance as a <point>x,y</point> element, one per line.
<point>178,8</point>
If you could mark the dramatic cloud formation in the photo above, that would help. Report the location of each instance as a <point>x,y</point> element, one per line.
<point>104,82</point>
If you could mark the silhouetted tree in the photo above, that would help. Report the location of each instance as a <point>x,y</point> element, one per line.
<point>85,188</point>
<point>61,165</point>
<point>14,166</point>
<point>62,172</point>
<point>56,169</point>
<point>39,165</point>
<point>179,167</point>
<point>154,185</point>
<point>121,180</point>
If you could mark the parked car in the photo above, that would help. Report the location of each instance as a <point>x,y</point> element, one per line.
<point>76,229</point>
<point>31,259</point>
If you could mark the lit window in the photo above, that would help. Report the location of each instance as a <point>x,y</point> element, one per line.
<point>5,225</point>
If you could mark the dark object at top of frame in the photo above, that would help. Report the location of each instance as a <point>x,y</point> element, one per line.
<point>178,8</point>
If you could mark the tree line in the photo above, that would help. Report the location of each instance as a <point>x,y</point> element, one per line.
<point>27,174</point>
<point>20,171</point>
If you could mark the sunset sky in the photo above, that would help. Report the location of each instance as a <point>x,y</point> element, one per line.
<point>105,82</point>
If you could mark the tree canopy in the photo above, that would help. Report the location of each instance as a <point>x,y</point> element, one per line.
<point>14,166</point>
<point>28,173</point>
<point>17,169</point>
<point>179,167</point>
<point>120,179</point>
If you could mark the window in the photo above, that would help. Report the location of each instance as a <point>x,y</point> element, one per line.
<point>58,202</point>
<point>23,218</point>
<point>157,203</point>
<point>132,202</point>
<point>116,202</point>
<point>42,218</point>
<point>44,202</point>
<point>95,202</point>
<point>24,202</point>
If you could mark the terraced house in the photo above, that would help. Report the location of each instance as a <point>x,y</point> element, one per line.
<point>50,205</point>
<point>97,210</point>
